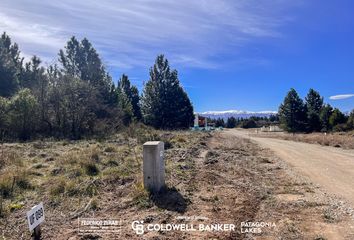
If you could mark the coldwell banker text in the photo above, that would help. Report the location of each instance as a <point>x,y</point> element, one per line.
<point>140,228</point>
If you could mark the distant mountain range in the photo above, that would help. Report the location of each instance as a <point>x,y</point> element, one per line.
<point>236,114</point>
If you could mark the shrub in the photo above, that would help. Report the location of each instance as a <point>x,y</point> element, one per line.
<point>95,157</point>
<point>91,169</point>
<point>6,185</point>
<point>342,127</point>
<point>15,206</point>
<point>22,113</point>
<point>110,149</point>
<point>249,124</point>
<point>11,180</point>
<point>22,181</point>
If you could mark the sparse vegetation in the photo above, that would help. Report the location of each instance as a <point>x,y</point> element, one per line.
<point>337,139</point>
<point>205,177</point>
<point>80,176</point>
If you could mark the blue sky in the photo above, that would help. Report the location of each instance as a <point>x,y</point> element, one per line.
<point>230,54</point>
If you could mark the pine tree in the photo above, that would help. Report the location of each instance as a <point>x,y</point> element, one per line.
<point>249,123</point>
<point>231,122</point>
<point>314,104</point>
<point>164,102</point>
<point>129,96</point>
<point>336,118</point>
<point>124,99</point>
<point>10,66</point>
<point>34,77</point>
<point>350,122</point>
<point>135,101</point>
<point>325,114</point>
<point>4,121</point>
<point>292,112</point>
<point>219,122</point>
<point>80,60</point>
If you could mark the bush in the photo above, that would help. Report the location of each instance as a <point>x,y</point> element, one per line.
<point>23,182</point>
<point>6,183</point>
<point>340,127</point>
<point>15,206</point>
<point>109,149</point>
<point>11,180</point>
<point>249,124</point>
<point>23,114</point>
<point>91,169</point>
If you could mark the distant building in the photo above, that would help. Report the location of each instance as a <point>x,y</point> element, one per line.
<point>199,121</point>
<point>273,128</point>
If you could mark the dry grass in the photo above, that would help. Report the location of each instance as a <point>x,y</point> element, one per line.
<point>226,179</point>
<point>342,139</point>
<point>79,178</point>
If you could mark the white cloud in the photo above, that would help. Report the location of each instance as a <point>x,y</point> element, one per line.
<point>342,96</point>
<point>131,33</point>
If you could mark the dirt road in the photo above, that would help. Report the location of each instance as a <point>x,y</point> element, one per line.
<point>331,168</point>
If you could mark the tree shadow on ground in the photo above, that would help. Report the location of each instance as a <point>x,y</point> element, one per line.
<point>169,199</point>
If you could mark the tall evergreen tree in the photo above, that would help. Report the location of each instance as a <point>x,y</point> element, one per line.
<point>128,95</point>
<point>135,101</point>
<point>292,112</point>
<point>32,75</point>
<point>124,99</point>
<point>314,104</point>
<point>81,60</point>
<point>325,114</point>
<point>4,121</point>
<point>336,118</point>
<point>220,122</point>
<point>35,78</point>
<point>164,102</point>
<point>231,122</point>
<point>350,122</point>
<point>10,66</point>
<point>249,123</point>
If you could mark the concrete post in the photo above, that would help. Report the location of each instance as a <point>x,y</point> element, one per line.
<point>196,120</point>
<point>153,165</point>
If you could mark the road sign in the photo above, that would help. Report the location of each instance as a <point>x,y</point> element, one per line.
<point>35,216</point>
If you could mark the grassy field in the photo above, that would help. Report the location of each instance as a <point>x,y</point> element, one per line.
<point>217,177</point>
<point>74,178</point>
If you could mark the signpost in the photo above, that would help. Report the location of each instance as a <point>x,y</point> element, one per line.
<point>35,217</point>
